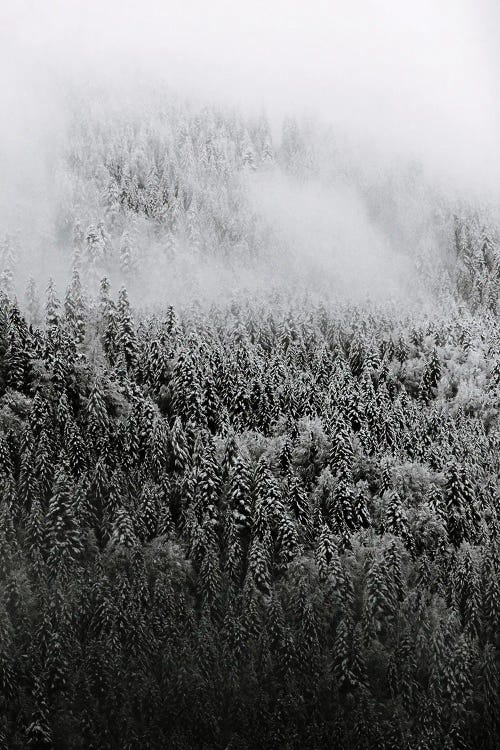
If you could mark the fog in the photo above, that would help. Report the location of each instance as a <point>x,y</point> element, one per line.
<point>399,84</point>
<point>327,231</point>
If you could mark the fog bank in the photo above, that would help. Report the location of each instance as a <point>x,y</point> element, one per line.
<point>397,108</point>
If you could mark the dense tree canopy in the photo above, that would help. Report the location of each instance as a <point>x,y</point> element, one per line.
<point>271,523</point>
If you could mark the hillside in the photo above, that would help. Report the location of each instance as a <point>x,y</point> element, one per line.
<point>249,471</point>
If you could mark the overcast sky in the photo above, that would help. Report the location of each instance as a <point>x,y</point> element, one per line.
<point>417,77</point>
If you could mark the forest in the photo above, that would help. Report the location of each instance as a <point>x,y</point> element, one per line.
<point>242,520</point>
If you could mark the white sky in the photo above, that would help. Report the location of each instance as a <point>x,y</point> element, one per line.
<point>418,78</point>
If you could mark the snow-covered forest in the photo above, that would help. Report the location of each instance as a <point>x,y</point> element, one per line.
<point>249,441</point>
<point>270,520</point>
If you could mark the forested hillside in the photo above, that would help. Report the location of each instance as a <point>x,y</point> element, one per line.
<point>243,520</point>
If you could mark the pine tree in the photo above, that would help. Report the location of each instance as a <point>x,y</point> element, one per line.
<point>63,533</point>
<point>76,448</point>
<point>210,577</point>
<point>56,665</point>
<point>344,506</point>
<point>51,307</point>
<point>111,334</point>
<point>148,510</point>
<point>395,519</point>
<point>8,677</point>
<point>234,555</point>
<point>44,462</point>
<point>327,558</point>
<point>179,446</point>
<point>239,495</point>
<point>358,674</point>
<point>6,467</point>
<point>361,513</point>
<point>122,531</point>
<point>379,603</point>
<point>341,454</point>
<point>268,508</point>
<point>157,451</point>
<point>275,623</point>
<point>126,337</point>
<point>341,654</point>
<point>208,487</point>
<point>97,416</point>
<point>186,395</point>
<point>468,595</point>
<point>38,732</point>
<point>35,530</point>
<point>490,692</point>
<point>356,355</point>
<point>491,592</point>
<point>454,496</point>
<point>300,506</point>
<point>430,378</point>
<point>288,545</point>
<point>74,308</point>
<point>258,564</point>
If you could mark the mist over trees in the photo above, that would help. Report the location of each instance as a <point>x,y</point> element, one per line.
<point>196,202</point>
<point>249,473</point>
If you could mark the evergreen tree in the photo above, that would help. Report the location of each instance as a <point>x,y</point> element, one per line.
<point>63,533</point>
<point>51,307</point>
<point>122,531</point>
